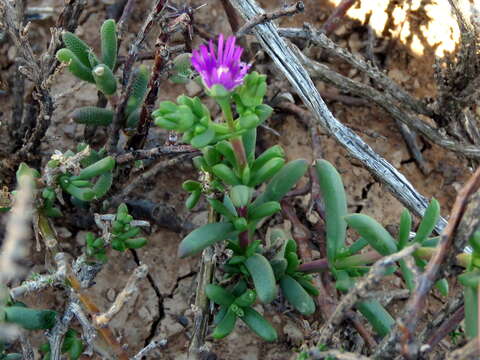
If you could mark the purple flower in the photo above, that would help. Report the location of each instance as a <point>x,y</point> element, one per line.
<point>220,67</point>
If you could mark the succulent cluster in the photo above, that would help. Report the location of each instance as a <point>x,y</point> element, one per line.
<point>123,236</point>
<point>85,65</point>
<point>244,189</point>
<point>233,175</point>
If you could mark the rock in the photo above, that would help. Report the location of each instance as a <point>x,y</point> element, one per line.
<point>192,88</point>
<point>111,294</point>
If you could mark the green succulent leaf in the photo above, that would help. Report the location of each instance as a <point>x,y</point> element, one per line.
<point>246,299</point>
<point>98,168</point>
<point>241,195</point>
<point>297,295</point>
<point>219,295</point>
<point>265,172</point>
<point>103,184</point>
<point>380,319</point>
<point>263,277</point>
<point>30,319</point>
<point>258,324</point>
<point>203,139</point>
<point>104,79</point>
<point>108,38</point>
<point>471,311</point>
<point>226,174</point>
<point>333,194</point>
<point>77,47</point>
<point>226,325</point>
<point>203,237</point>
<point>283,181</point>
<point>404,229</point>
<point>75,66</point>
<point>92,115</point>
<point>139,89</point>
<point>376,235</point>
<point>264,210</point>
<point>430,218</point>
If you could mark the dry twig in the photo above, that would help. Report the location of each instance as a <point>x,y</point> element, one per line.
<point>263,18</point>
<point>151,346</point>
<point>128,292</point>
<point>201,306</point>
<point>336,16</point>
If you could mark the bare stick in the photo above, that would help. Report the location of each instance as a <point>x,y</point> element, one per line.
<point>263,18</point>
<point>336,16</point>
<point>143,176</point>
<point>162,55</point>
<point>43,281</point>
<point>288,63</point>
<point>127,78</point>
<point>309,33</point>
<point>201,307</point>
<point>151,346</point>
<point>89,332</point>
<point>128,292</point>
<point>154,153</point>
<point>55,336</point>
<point>446,328</point>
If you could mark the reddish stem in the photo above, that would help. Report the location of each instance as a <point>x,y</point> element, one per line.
<point>338,13</point>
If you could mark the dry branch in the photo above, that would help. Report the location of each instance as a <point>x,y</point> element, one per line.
<point>263,18</point>
<point>290,66</point>
<point>387,103</point>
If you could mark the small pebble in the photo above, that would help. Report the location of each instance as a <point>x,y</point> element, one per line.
<point>111,294</point>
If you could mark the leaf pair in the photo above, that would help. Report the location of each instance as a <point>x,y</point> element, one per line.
<point>83,63</point>
<point>233,308</point>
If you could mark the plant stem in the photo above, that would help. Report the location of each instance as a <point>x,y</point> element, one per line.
<point>237,142</point>
<point>370,257</point>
